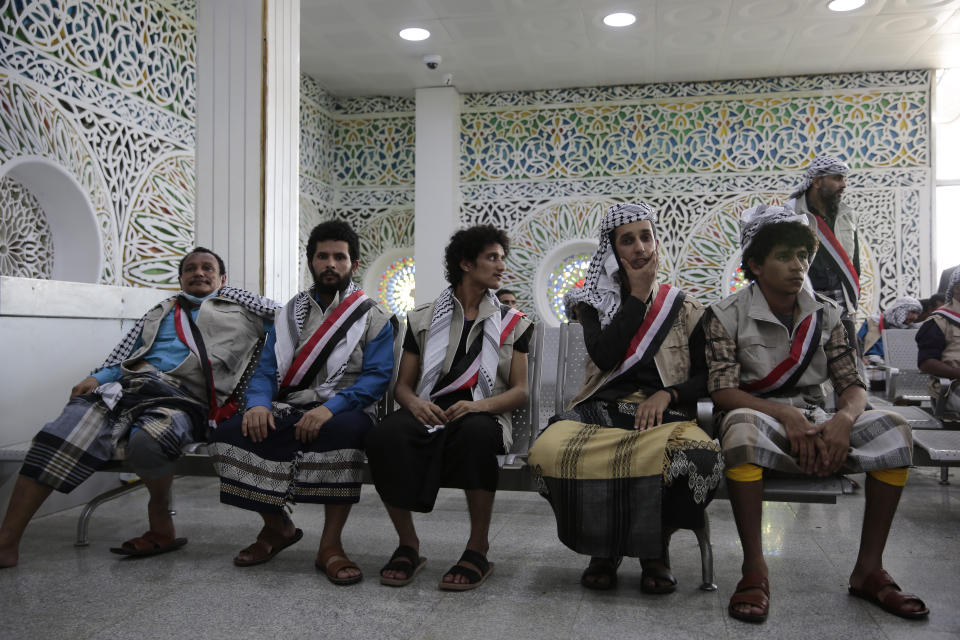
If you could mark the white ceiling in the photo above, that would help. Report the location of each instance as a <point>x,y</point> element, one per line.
<point>351,47</point>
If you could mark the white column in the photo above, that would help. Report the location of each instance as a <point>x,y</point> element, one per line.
<point>437,193</point>
<point>247,116</point>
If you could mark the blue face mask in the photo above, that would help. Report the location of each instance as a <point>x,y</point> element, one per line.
<point>197,301</point>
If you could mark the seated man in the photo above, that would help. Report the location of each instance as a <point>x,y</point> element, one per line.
<point>326,362</point>
<point>507,298</point>
<point>770,346</point>
<point>929,305</point>
<point>463,369</point>
<point>172,376</point>
<point>938,344</point>
<point>899,315</point>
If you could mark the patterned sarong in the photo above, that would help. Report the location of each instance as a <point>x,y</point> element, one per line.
<point>266,476</point>
<point>613,490</point>
<point>878,440</point>
<point>88,434</point>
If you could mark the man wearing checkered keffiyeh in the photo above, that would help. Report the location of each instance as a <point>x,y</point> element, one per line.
<point>819,194</point>
<point>938,345</point>
<point>151,397</point>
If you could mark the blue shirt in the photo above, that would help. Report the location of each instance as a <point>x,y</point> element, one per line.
<point>365,390</point>
<point>876,349</point>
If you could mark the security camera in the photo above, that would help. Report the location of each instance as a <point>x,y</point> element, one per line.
<point>432,61</point>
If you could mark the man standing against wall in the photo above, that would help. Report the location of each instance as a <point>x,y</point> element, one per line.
<point>174,374</point>
<point>835,271</point>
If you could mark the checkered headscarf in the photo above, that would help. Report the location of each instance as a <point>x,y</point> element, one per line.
<point>821,166</point>
<point>601,287</point>
<point>761,215</point>
<point>895,317</point>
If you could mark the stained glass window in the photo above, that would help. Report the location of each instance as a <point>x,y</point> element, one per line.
<point>568,274</point>
<point>395,289</point>
<point>737,281</point>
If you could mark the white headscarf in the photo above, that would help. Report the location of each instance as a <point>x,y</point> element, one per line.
<point>761,215</point>
<point>821,166</point>
<point>601,287</point>
<point>895,317</point>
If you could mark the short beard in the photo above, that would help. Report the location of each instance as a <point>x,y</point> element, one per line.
<point>330,289</point>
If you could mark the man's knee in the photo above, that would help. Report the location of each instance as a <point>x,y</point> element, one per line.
<point>481,434</point>
<point>147,457</point>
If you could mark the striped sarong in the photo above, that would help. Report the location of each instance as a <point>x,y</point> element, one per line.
<point>614,489</point>
<point>280,470</point>
<point>88,434</point>
<point>878,440</point>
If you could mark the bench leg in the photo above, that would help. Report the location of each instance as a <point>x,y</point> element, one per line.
<point>944,475</point>
<point>106,496</point>
<point>706,555</point>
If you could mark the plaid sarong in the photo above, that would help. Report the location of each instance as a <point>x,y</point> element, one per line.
<point>88,434</point>
<point>878,440</point>
<point>614,489</point>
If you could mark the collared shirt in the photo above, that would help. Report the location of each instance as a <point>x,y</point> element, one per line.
<point>724,368</point>
<point>366,389</point>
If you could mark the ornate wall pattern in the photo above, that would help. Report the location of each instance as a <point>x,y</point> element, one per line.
<point>545,164</point>
<point>357,164</point>
<point>106,91</point>
<point>26,246</point>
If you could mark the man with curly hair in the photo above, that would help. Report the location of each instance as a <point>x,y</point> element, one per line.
<point>463,369</point>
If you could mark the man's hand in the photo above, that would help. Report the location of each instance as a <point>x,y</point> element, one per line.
<point>802,434</point>
<point>461,408</point>
<point>308,427</point>
<point>650,411</point>
<point>427,412</point>
<point>257,422</point>
<point>86,385</point>
<point>835,434</point>
<point>641,280</point>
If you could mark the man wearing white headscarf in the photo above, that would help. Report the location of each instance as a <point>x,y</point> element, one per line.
<point>835,270</point>
<point>899,315</point>
<point>770,347</point>
<point>625,465</point>
<point>938,344</point>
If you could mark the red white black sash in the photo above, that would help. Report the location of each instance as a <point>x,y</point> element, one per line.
<point>464,373</point>
<point>315,352</point>
<point>840,259</point>
<point>949,314</point>
<point>653,330</point>
<point>806,342</point>
<point>189,334</point>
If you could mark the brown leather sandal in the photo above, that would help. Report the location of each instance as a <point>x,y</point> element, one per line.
<point>893,601</point>
<point>269,543</point>
<point>751,580</point>
<point>331,568</point>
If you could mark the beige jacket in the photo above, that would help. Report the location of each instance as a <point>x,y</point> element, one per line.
<point>418,321</point>
<point>763,342</point>
<point>672,359</point>
<point>230,333</point>
<point>951,352</point>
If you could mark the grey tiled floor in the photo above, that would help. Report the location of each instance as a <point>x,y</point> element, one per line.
<point>62,592</point>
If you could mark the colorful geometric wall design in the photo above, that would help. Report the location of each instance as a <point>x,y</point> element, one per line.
<point>396,286</point>
<point>544,165</point>
<point>569,274</point>
<point>106,91</point>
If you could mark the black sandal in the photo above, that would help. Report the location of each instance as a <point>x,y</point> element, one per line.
<point>597,570</point>
<point>406,560</point>
<point>474,578</point>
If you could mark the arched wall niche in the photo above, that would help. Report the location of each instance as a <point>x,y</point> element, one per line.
<point>78,250</point>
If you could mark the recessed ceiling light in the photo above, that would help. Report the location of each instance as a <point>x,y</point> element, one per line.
<point>619,19</point>
<point>845,5</point>
<point>414,34</point>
